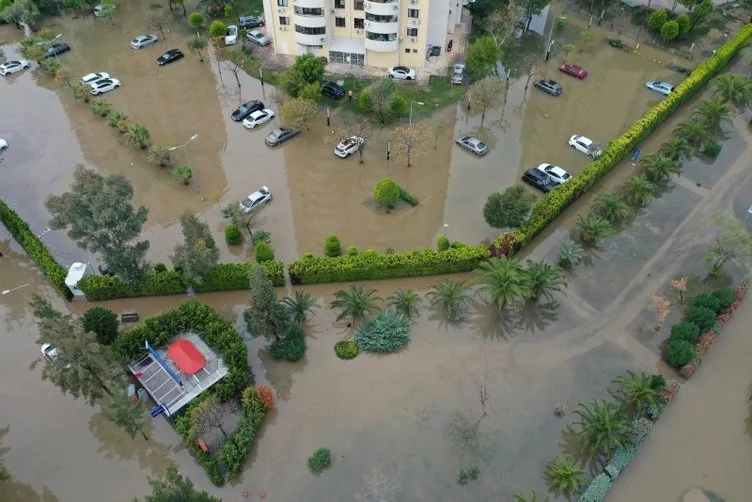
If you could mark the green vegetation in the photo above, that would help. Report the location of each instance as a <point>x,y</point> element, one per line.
<point>332,246</point>
<point>387,332</point>
<point>406,302</point>
<point>451,298</point>
<point>508,209</point>
<point>563,476</point>
<point>321,460</point>
<point>346,349</point>
<point>103,323</point>
<point>386,192</point>
<point>356,304</point>
<point>174,488</point>
<point>467,475</point>
<point>263,252</point>
<point>233,235</point>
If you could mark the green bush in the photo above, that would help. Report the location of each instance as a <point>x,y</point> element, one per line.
<point>103,323</point>
<point>346,349</point>
<point>160,267</point>
<point>686,331</point>
<point>616,43</point>
<point>597,490</point>
<point>708,301</point>
<point>555,202</point>
<point>679,353</point>
<point>233,236</point>
<point>408,197</point>
<point>332,246</point>
<point>386,192</point>
<point>712,148</point>
<point>443,243</point>
<point>261,236</point>
<point>385,333</point>
<point>233,276</point>
<point>321,460</point>
<point>370,265</point>
<point>701,316</point>
<point>725,296</point>
<point>457,245</point>
<point>352,251</point>
<point>35,248</point>
<point>263,252</point>
<point>657,19</point>
<point>669,30</point>
<point>292,348</point>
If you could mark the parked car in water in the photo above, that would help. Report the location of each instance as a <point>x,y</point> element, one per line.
<point>56,50</point>
<point>586,146</point>
<point>279,136</point>
<point>257,199</point>
<point>258,38</point>
<point>49,352</point>
<point>556,173</point>
<point>574,70</point>
<point>3,144</point>
<point>14,66</point>
<point>348,146</point>
<point>246,109</point>
<point>539,180</point>
<point>549,86</point>
<point>170,57</point>
<point>472,144</point>
<point>231,38</point>
<point>142,41</point>
<point>90,78</point>
<point>458,74</point>
<point>332,90</point>
<point>660,87</point>
<point>401,73</point>
<point>257,118</point>
<point>104,85</point>
<point>250,21</point>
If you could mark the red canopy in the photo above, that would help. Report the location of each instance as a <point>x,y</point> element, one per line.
<point>186,356</point>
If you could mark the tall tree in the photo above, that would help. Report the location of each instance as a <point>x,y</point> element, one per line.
<point>603,428</point>
<point>197,44</point>
<point>21,11</point>
<point>175,488</point>
<point>482,55</point>
<point>297,113</point>
<point>99,215</point>
<point>676,148</point>
<point>733,242</point>
<point>503,281</point>
<point>659,167</point>
<point>638,191</point>
<point>508,209</point>
<point>198,252</point>
<point>378,98</point>
<point>714,113</point>
<point>409,142</point>
<point>241,219</point>
<point>265,316</point>
<point>486,93</point>
<point>211,413</point>
<point>76,362</point>
<point>126,413</point>
<point>363,128</point>
<point>532,8</point>
<point>637,392</point>
<point>612,207</point>
<point>733,88</point>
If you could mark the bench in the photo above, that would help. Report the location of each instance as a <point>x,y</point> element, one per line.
<point>132,317</point>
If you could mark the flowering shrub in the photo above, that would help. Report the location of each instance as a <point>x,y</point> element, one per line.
<point>705,343</point>
<point>622,457</point>
<point>654,412</point>
<point>724,317</point>
<point>639,430</point>
<point>687,370</point>
<point>266,395</point>
<point>596,492</point>
<point>672,389</point>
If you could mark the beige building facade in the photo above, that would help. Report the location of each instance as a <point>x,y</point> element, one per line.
<point>376,33</point>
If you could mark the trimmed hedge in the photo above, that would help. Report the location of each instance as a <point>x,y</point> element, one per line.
<point>35,248</point>
<point>370,265</point>
<point>408,197</point>
<point>556,201</point>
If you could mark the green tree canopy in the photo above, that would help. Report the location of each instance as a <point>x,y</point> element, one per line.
<point>198,252</point>
<point>482,56</point>
<point>176,488</point>
<point>507,209</point>
<point>265,316</point>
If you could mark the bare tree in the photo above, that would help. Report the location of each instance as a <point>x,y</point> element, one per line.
<point>363,128</point>
<point>235,63</point>
<point>410,141</point>
<point>211,413</point>
<point>158,20</point>
<point>439,129</point>
<point>501,22</point>
<point>241,219</point>
<point>379,487</point>
<point>486,93</point>
<point>481,386</point>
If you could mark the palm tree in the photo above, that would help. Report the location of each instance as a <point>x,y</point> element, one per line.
<point>405,302</point>
<point>676,148</point>
<point>117,120</point>
<point>197,44</point>
<point>100,107</point>
<point>563,476</point>
<point>533,497</point>
<point>638,191</point>
<point>451,297</point>
<point>544,280</point>
<point>299,306</point>
<point>733,88</point>
<point>503,280</point>
<point>714,113</point>
<point>82,92</point>
<point>603,427</point>
<point>160,155</point>
<point>612,207</point>
<point>659,167</point>
<point>593,228</point>
<point>138,135</point>
<point>638,392</point>
<point>570,254</point>
<point>355,304</point>
<point>693,131</point>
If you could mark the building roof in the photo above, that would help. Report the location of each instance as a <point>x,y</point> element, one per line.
<point>186,356</point>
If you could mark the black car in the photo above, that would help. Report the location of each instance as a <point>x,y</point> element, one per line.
<point>549,86</point>
<point>169,57</point>
<point>56,50</point>
<point>539,180</point>
<point>279,136</point>
<point>250,21</point>
<point>246,109</point>
<point>332,90</point>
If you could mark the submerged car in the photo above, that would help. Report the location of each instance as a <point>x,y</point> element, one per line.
<point>104,85</point>
<point>250,21</point>
<point>258,118</point>
<point>258,198</point>
<point>401,73</point>
<point>56,50</point>
<point>539,180</point>
<point>332,90</point>
<point>246,109</point>
<point>142,41</point>
<point>170,57</point>
<point>348,146</point>
<point>14,66</point>
<point>574,70</point>
<point>556,173</point>
<point>549,86</point>
<point>258,38</point>
<point>279,136</point>
<point>472,144</point>
<point>93,77</point>
<point>231,38</point>
<point>49,352</point>
<point>660,87</point>
<point>586,146</point>
<point>3,144</point>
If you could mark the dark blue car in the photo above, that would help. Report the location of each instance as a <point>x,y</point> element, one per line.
<point>332,90</point>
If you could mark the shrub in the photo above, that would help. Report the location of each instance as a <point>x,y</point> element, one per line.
<point>352,251</point>
<point>233,235</point>
<point>263,252</point>
<point>615,42</point>
<point>679,353</point>
<point>182,173</point>
<point>725,296</point>
<point>266,395</point>
<point>686,331</point>
<point>443,243</point>
<point>261,236</point>
<point>669,30</point>
<point>687,370</point>
<point>639,430</point>
<point>346,349</point>
<point>705,343</point>
<point>386,192</point>
<point>321,460</point>
<point>708,301</point>
<point>570,255</point>
<point>332,246</point>
<point>387,332</point>
<point>464,476</point>
<point>160,267</point>
<point>408,197</point>
<point>622,457</point>
<point>196,19</point>
<point>657,19</point>
<point>597,490</point>
<point>370,265</point>
<point>291,348</point>
<point>100,107</point>
<point>682,20</point>
<point>103,323</point>
<point>229,11</point>
<point>672,389</point>
<point>457,245</point>
<point>712,148</point>
<point>217,29</point>
<point>702,316</point>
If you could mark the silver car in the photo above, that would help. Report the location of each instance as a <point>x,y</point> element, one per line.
<point>473,144</point>
<point>258,38</point>
<point>258,198</point>
<point>458,74</point>
<point>660,87</point>
<point>142,41</point>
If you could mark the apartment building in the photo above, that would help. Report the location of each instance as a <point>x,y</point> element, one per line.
<point>377,33</point>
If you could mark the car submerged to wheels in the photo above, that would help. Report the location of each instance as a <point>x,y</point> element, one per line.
<point>258,118</point>
<point>549,86</point>
<point>556,173</point>
<point>586,146</point>
<point>472,144</point>
<point>539,180</point>
<point>660,87</point>
<point>246,109</point>
<point>94,77</point>
<point>348,146</point>
<point>104,85</point>
<point>169,57</point>
<point>14,66</point>
<point>279,136</point>
<point>142,41</point>
<point>258,198</point>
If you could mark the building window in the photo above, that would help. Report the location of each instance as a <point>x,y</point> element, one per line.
<point>381,19</point>
<point>358,5</point>
<point>407,51</point>
<point>305,11</point>
<point>339,4</point>
<point>413,13</point>
<point>284,21</point>
<point>412,32</point>
<point>381,37</point>
<point>359,24</point>
<point>282,3</point>
<point>339,22</point>
<point>347,58</point>
<point>310,31</point>
<point>415,51</point>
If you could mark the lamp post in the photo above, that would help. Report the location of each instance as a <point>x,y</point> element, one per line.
<point>6,291</point>
<point>550,43</point>
<point>411,110</point>
<point>445,226</point>
<point>193,175</point>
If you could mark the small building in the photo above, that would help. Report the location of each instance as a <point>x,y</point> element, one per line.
<point>76,272</point>
<point>175,375</point>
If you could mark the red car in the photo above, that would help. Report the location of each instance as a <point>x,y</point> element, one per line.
<point>574,70</point>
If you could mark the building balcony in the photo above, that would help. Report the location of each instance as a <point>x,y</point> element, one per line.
<point>383,28</point>
<point>377,42</point>
<point>381,8</point>
<point>310,21</point>
<point>313,4</point>
<point>307,39</point>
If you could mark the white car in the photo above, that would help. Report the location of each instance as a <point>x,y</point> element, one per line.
<point>258,118</point>
<point>660,87</point>
<point>104,85</point>
<point>14,66</point>
<point>142,41</point>
<point>401,73</point>
<point>556,173</point>
<point>348,146</point>
<point>3,144</point>
<point>231,38</point>
<point>586,146</point>
<point>49,352</point>
<point>258,198</point>
<point>94,77</point>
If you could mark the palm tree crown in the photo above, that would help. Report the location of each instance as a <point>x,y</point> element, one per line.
<point>693,131</point>
<point>356,303</point>
<point>733,88</point>
<point>563,476</point>
<point>533,497</point>
<point>503,280</point>
<point>638,392</point>
<point>612,207</point>
<point>299,306</point>
<point>544,280</point>
<point>593,228</point>
<point>451,297</point>
<point>405,302</point>
<point>638,191</point>
<point>603,427</point>
<point>714,113</point>
<point>676,148</point>
<point>659,167</point>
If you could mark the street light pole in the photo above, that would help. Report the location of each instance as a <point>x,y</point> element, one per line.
<point>6,291</point>
<point>193,174</point>
<point>411,110</point>
<point>550,42</point>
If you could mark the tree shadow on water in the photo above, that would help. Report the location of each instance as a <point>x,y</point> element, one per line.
<point>537,316</point>
<point>469,437</point>
<point>11,490</point>
<point>580,452</point>
<point>492,323</point>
